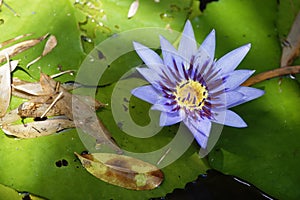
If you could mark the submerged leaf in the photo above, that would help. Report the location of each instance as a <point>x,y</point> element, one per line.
<point>123,171</point>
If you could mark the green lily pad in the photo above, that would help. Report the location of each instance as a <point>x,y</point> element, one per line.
<point>46,166</point>
<point>265,153</point>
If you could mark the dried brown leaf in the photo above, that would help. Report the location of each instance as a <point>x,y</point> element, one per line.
<point>35,110</point>
<point>5,85</point>
<point>291,47</point>
<point>20,47</point>
<point>50,44</point>
<point>7,42</point>
<point>10,117</point>
<point>123,171</point>
<point>38,128</point>
<point>37,106</point>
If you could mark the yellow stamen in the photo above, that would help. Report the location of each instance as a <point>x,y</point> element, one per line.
<point>190,94</point>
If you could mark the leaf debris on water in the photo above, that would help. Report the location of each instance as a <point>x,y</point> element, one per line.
<point>121,170</point>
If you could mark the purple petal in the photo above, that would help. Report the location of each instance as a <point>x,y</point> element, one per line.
<point>232,59</point>
<point>200,130</point>
<point>187,46</point>
<point>146,93</point>
<point>209,44</point>
<point>202,58</point>
<point>151,76</point>
<point>233,97</point>
<point>236,78</point>
<point>248,94</point>
<point>168,51</point>
<point>150,58</point>
<point>170,55</point>
<point>164,105</point>
<point>167,119</point>
<point>229,118</point>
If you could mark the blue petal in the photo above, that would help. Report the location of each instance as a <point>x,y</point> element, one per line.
<point>167,119</point>
<point>248,94</point>
<point>146,93</point>
<point>209,44</point>
<point>233,97</point>
<point>229,118</point>
<point>236,78</point>
<point>232,59</point>
<point>151,76</point>
<point>201,59</point>
<point>200,130</point>
<point>169,53</point>
<point>150,58</point>
<point>226,99</point>
<point>187,46</point>
<point>162,105</point>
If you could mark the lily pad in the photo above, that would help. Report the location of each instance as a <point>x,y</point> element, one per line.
<point>50,159</point>
<point>265,153</point>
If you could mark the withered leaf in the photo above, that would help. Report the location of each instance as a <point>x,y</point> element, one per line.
<point>20,47</point>
<point>121,170</point>
<point>38,128</point>
<point>291,47</point>
<point>26,89</point>
<point>5,85</point>
<point>49,46</point>
<point>36,109</point>
<point>7,42</point>
<point>10,117</point>
<point>63,106</point>
<point>94,128</point>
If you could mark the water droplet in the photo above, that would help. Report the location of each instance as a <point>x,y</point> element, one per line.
<point>86,39</point>
<point>166,17</point>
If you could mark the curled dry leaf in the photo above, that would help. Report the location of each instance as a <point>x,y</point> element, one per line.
<point>5,85</point>
<point>49,46</point>
<point>20,47</point>
<point>36,109</point>
<point>291,46</point>
<point>7,42</point>
<point>38,128</point>
<point>90,127</point>
<point>26,90</point>
<point>123,171</point>
<point>48,104</point>
<point>10,117</point>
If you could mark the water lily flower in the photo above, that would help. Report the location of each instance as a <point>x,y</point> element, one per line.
<point>188,85</point>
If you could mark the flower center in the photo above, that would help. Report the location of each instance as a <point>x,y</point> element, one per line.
<point>190,94</point>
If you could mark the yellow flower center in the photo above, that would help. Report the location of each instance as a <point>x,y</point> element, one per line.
<point>190,94</point>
